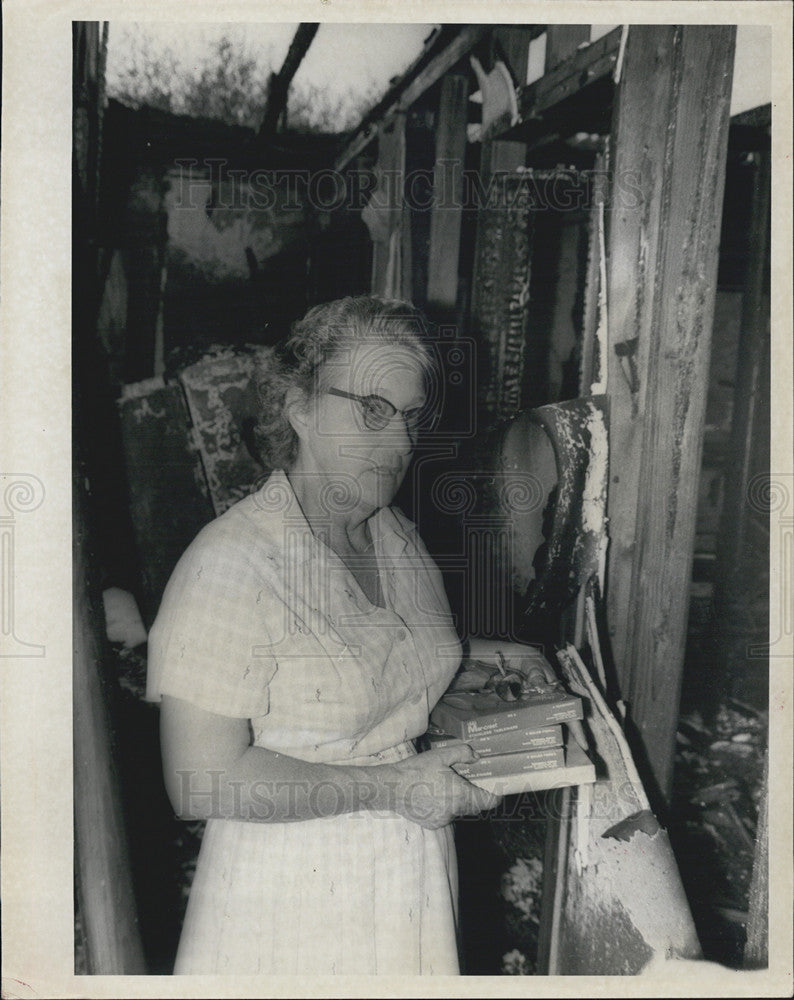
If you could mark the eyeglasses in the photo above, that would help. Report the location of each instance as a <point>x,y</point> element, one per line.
<point>379,412</point>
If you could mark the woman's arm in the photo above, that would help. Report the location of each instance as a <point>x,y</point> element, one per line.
<point>211,770</point>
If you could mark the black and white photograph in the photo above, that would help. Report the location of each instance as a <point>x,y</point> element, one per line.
<point>398,514</point>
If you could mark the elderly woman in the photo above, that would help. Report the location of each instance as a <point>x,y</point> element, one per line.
<point>301,643</point>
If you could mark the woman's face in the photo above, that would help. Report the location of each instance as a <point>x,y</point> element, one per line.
<point>361,467</point>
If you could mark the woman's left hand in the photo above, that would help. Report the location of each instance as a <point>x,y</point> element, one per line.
<point>517,657</point>
<point>513,656</point>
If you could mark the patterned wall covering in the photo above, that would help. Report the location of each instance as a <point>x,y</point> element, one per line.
<point>500,313</point>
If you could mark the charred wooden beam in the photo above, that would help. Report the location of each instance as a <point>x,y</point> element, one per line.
<point>419,78</point>
<point>280,82</point>
<point>669,140</point>
<point>386,213</point>
<point>563,41</point>
<point>587,70</point>
<point>578,71</point>
<point>500,158</point>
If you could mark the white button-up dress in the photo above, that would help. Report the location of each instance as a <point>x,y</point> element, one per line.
<point>261,620</point>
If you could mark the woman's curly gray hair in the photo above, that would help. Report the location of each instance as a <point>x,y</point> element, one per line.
<point>315,340</point>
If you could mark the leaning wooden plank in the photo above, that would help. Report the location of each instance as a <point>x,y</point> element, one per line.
<point>619,900</point>
<point>592,365</point>
<point>555,861</point>
<point>103,878</point>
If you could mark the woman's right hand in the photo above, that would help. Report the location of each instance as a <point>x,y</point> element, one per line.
<point>425,789</point>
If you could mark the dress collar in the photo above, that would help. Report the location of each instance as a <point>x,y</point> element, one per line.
<point>390,535</point>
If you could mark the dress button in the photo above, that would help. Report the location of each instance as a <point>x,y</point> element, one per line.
<point>401,634</point>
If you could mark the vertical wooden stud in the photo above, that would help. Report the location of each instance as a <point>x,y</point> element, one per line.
<point>442,279</point>
<point>670,134</point>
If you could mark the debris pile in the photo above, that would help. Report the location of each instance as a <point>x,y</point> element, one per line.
<point>717,785</point>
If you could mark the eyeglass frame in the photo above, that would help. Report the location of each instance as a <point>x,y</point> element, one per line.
<point>362,400</point>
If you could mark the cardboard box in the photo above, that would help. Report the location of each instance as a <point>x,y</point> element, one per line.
<point>488,744</point>
<point>470,714</point>
<point>577,771</point>
<point>512,763</point>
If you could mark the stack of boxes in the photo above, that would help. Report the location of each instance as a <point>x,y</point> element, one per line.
<point>522,745</point>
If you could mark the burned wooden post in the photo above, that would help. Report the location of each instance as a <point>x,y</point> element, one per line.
<point>445,224</point>
<point>670,132</point>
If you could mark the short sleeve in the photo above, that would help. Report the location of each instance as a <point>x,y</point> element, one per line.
<point>208,644</point>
